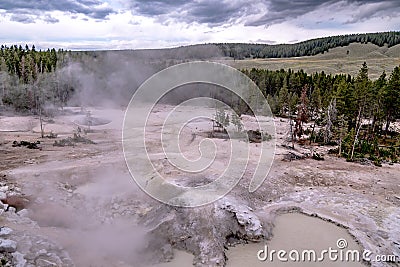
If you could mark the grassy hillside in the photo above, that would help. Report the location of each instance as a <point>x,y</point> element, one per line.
<point>347,59</point>
<point>310,47</point>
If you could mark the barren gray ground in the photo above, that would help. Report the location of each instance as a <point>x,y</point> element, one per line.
<point>85,209</point>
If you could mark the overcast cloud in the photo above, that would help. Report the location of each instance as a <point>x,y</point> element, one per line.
<point>91,8</point>
<point>116,24</point>
<point>267,11</point>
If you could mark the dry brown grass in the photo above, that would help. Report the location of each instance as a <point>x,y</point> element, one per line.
<point>335,61</point>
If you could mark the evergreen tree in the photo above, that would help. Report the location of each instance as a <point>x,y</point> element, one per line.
<point>392,98</point>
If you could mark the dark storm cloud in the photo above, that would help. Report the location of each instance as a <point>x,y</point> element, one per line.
<point>210,12</point>
<point>90,8</point>
<point>256,12</point>
<point>157,7</point>
<point>381,9</point>
<point>282,10</point>
<point>23,18</point>
<point>50,19</point>
<point>216,12</point>
<point>201,11</point>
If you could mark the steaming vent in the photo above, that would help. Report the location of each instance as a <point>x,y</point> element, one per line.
<point>92,121</point>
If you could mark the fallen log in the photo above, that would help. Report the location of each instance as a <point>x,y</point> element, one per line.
<point>29,145</point>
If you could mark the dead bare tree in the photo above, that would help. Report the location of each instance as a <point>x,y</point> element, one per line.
<point>330,118</point>
<point>342,125</point>
<point>302,113</point>
<point>292,137</point>
<point>41,123</point>
<point>358,126</point>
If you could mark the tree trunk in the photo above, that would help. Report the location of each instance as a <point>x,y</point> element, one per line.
<point>358,127</point>
<point>371,134</point>
<point>328,126</point>
<point>312,133</point>
<point>4,93</point>
<point>291,128</point>
<point>387,123</point>
<point>41,123</point>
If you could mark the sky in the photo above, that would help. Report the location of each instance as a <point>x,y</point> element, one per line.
<point>137,24</point>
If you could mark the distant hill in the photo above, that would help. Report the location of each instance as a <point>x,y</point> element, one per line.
<point>347,59</point>
<point>307,48</point>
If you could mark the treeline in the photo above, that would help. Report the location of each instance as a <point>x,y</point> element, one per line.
<point>29,78</point>
<point>26,63</point>
<point>355,113</point>
<point>37,81</point>
<point>306,48</point>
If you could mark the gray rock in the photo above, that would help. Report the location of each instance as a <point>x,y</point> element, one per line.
<point>202,232</point>
<point>12,209</point>
<point>45,263</point>
<point>5,231</point>
<point>18,259</point>
<point>4,189</point>
<point>42,252</point>
<point>3,206</point>
<point>8,245</point>
<point>246,218</point>
<point>48,261</point>
<point>23,213</point>
<point>167,251</point>
<point>3,195</point>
